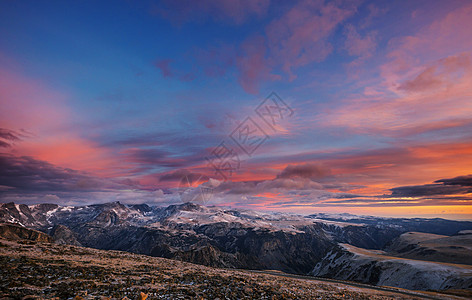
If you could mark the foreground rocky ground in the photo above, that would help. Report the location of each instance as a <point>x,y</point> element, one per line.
<point>34,270</point>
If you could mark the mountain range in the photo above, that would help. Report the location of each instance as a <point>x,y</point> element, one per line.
<point>381,251</point>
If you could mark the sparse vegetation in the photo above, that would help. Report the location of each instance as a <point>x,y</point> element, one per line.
<point>50,271</point>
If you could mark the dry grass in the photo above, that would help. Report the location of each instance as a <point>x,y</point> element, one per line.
<point>50,271</point>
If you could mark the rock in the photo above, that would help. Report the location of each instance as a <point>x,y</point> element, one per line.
<point>63,235</point>
<point>142,296</point>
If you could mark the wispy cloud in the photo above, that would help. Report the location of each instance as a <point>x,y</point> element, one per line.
<point>297,38</point>
<point>235,12</point>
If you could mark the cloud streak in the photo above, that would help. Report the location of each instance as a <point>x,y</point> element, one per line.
<point>233,12</point>
<point>299,37</point>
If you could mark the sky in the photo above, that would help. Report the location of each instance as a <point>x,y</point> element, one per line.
<point>361,107</point>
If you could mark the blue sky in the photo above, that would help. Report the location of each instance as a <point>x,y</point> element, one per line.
<point>126,94</point>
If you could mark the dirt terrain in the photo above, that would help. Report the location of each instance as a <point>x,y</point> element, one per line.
<point>35,270</point>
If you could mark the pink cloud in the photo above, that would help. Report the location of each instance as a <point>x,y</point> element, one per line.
<point>357,45</point>
<point>299,37</point>
<point>362,47</point>
<point>381,169</point>
<point>28,104</point>
<point>418,91</point>
<point>43,117</point>
<point>253,64</point>
<point>443,72</point>
<point>164,66</point>
<point>445,37</point>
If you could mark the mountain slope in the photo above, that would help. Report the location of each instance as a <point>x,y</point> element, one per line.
<point>46,271</point>
<point>434,226</point>
<point>416,245</point>
<point>376,267</point>
<point>16,232</point>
